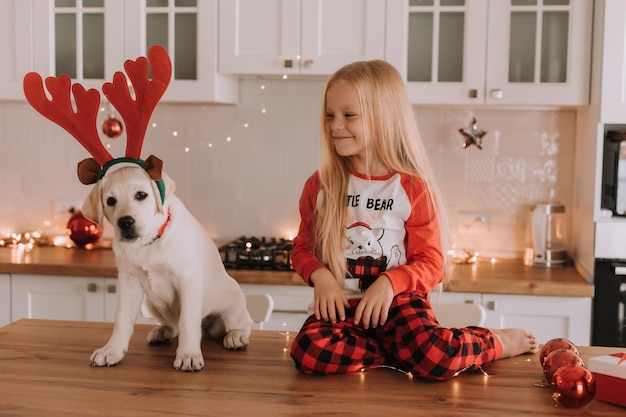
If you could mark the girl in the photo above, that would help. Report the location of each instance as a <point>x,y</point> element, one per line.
<point>370,242</point>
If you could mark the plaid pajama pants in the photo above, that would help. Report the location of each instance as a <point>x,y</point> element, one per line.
<point>411,340</point>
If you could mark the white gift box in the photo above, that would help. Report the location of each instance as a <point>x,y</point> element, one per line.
<point>610,375</point>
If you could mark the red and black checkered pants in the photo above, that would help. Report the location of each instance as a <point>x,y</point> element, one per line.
<point>411,340</point>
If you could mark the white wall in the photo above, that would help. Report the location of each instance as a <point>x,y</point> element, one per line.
<point>250,185</point>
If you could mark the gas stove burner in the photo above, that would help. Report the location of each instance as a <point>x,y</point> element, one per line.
<point>254,253</point>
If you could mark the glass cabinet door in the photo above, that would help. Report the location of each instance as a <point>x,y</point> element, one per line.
<point>541,53</point>
<point>174,25</point>
<point>538,41</point>
<point>436,40</point>
<point>79,38</point>
<point>444,51</point>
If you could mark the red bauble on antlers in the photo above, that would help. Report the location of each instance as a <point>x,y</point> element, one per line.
<point>82,123</point>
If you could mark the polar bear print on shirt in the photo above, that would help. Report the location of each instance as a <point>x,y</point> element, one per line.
<point>365,257</point>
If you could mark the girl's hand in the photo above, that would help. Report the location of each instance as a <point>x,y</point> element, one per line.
<point>373,309</point>
<point>329,301</point>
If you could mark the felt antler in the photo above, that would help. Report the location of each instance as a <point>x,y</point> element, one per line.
<point>80,124</point>
<point>136,113</point>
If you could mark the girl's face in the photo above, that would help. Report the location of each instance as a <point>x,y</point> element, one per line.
<point>344,123</point>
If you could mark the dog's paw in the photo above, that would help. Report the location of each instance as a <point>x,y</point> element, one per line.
<point>236,340</point>
<point>160,335</point>
<point>189,361</point>
<point>106,357</point>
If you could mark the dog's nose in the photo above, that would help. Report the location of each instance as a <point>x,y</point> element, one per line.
<point>125,223</point>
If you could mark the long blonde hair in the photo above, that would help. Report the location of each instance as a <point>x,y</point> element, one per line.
<point>392,140</point>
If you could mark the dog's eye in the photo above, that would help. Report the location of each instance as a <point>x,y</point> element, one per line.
<point>111,201</point>
<point>141,195</point>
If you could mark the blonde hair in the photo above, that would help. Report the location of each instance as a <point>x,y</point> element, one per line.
<point>392,140</point>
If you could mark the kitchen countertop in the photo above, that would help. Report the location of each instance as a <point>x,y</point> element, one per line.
<point>46,372</point>
<point>501,277</point>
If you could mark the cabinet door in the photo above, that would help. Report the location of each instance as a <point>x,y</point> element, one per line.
<point>337,33</point>
<point>439,47</point>
<point>110,299</point>
<point>59,298</point>
<point>310,37</point>
<point>539,52</point>
<point>5,299</point>
<point>291,303</point>
<point>259,36</point>
<point>15,47</point>
<point>189,32</point>
<point>614,62</point>
<point>83,39</point>
<point>546,316</point>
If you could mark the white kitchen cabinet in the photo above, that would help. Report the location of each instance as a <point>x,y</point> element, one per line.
<point>308,37</point>
<point>90,40</point>
<point>15,47</point>
<point>613,55</point>
<point>290,304</point>
<point>547,317</point>
<point>517,52</point>
<point>62,298</point>
<point>5,299</point>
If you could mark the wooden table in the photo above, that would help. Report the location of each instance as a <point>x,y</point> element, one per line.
<point>44,371</point>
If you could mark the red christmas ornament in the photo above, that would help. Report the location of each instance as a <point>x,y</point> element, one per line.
<point>82,231</point>
<point>558,358</point>
<point>554,344</point>
<point>112,127</point>
<point>574,386</point>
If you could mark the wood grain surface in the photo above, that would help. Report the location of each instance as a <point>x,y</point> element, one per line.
<point>44,371</point>
<point>502,277</point>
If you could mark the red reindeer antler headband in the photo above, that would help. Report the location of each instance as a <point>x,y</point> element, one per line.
<point>82,123</point>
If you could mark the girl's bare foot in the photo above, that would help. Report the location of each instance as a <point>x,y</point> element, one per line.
<point>516,341</point>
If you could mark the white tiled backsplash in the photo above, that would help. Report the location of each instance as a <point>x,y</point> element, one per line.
<point>240,169</point>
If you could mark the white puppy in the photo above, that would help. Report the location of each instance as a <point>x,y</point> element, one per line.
<point>162,252</point>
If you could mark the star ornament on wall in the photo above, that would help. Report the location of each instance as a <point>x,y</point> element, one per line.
<point>473,135</point>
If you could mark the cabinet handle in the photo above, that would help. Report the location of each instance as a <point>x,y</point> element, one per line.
<point>288,63</point>
<point>496,93</point>
<point>92,287</point>
<point>473,93</point>
<point>490,305</point>
<point>308,62</point>
<point>111,288</point>
<point>468,301</point>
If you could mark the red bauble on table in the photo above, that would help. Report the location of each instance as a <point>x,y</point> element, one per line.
<point>555,344</point>
<point>82,231</point>
<point>112,127</point>
<point>558,358</point>
<point>574,386</point>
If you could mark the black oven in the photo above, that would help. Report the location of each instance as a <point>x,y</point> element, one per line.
<point>609,303</point>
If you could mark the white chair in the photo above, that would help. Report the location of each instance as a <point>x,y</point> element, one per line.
<point>260,307</point>
<point>459,314</point>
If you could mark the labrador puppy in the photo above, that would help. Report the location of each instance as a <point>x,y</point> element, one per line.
<point>164,256</point>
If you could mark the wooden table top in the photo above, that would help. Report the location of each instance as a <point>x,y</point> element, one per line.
<point>502,277</point>
<point>44,371</point>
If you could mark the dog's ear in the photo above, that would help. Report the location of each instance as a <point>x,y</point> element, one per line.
<point>169,186</point>
<point>92,207</point>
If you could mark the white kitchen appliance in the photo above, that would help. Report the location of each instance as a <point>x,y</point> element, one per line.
<point>546,236</point>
